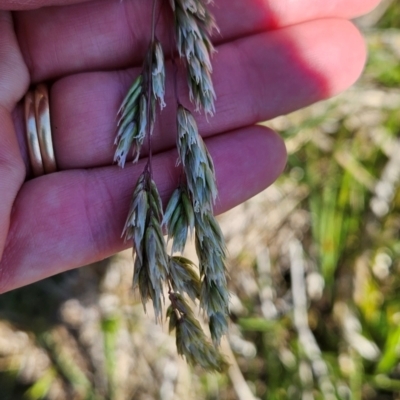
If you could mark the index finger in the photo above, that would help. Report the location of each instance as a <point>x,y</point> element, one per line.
<point>31,5</point>
<point>57,41</point>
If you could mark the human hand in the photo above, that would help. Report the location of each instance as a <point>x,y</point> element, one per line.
<point>274,56</point>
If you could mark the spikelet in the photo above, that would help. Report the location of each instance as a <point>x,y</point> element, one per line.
<point>193,25</point>
<point>134,111</point>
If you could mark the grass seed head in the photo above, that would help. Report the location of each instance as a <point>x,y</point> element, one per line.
<point>190,207</point>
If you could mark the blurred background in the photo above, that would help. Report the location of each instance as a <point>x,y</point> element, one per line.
<point>314,263</point>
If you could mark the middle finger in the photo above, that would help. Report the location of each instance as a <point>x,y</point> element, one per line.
<point>57,41</point>
<point>256,78</point>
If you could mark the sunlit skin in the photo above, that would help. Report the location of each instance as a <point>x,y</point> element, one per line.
<point>274,56</point>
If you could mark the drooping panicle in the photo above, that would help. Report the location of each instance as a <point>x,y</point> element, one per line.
<point>190,207</point>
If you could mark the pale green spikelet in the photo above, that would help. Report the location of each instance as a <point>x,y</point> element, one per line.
<point>191,342</point>
<point>214,298</point>
<point>193,25</point>
<point>158,71</point>
<point>130,124</point>
<point>136,220</point>
<point>137,108</point>
<point>210,247</point>
<point>183,277</point>
<point>179,219</point>
<point>196,161</point>
<point>143,225</point>
<point>218,324</point>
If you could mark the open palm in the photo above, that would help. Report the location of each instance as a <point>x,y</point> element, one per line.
<point>274,56</point>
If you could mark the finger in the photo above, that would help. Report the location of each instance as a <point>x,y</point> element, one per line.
<point>13,81</point>
<point>77,216</point>
<point>35,4</point>
<point>14,77</point>
<point>256,78</point>
<point>32,5</point>
<point>114,34</point>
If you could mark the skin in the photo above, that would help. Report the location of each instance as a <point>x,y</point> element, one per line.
<point>274,56</point>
